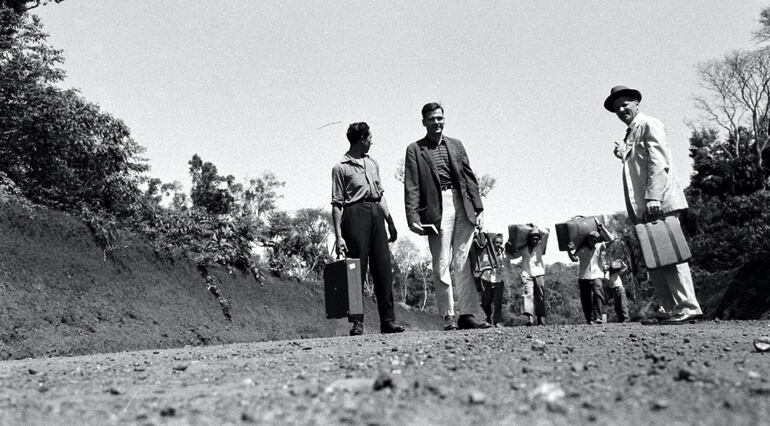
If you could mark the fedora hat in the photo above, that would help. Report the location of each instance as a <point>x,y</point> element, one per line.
<point>619,91</point>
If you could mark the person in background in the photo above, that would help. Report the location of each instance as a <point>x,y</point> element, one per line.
<point>360,215</point>
<point>591,274</point>
<point>651,191</point>
<point>493,285</point>
<point>442,201</point>
<point>616,270</point>
<point>533,277</point>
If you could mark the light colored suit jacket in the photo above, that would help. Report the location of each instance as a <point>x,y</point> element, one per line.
<point>647,169</point>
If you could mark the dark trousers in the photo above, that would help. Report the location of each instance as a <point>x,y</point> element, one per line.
<point>363,228</point>
<point>592,298</point>
<point>621,304</point>
<point>492,301</point>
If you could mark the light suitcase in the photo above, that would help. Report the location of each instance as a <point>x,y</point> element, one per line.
<point>575,231</point>
<point>662,242</point>
<point>343,292</point>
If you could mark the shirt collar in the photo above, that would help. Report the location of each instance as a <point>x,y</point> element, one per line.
<point>635,122</point>
<point>348,159</point>
<point>430,144</point>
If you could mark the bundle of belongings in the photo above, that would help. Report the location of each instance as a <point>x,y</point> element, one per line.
<point>482,255</point>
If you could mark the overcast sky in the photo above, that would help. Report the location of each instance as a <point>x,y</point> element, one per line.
<point>250,85</point>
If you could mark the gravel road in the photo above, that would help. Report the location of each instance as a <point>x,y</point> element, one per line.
<point>705,373</point>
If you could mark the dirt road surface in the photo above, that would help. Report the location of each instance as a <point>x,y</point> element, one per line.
<point>705,373</point>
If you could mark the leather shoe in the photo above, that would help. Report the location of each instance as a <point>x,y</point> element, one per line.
<point>469,322</point>
<point>358,328</point>
<point>391,327</point>
<point>449,323</point>
<point>682,319</point>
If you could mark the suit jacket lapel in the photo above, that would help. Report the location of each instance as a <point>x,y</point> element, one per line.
<point>454,158</point>
<point>426,155</point>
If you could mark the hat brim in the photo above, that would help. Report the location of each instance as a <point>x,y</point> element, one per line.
<point>635,94</point>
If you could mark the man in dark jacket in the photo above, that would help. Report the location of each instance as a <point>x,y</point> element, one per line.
<point>442,200</point>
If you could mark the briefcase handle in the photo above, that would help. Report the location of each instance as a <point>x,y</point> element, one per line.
<point>334,254</point>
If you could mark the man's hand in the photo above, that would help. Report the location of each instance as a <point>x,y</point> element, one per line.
<point>479,220</point>
<point>653,209</point>
<point>392,232</point>
<point>417,228</point>
<point>342,248</point>
<point>617,151</point>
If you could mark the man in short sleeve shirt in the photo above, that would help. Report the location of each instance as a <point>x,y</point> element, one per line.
<point>360,215</point>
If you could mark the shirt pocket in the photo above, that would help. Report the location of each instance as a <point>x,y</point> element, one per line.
<point>356,181</point>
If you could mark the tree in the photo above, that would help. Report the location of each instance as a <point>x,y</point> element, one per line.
<point>58,148</point>
<point>21,6</point>
<point>260,195</point>
<point>763,33</point>
<point>207,192</point>
<point>297,245</point>
<point>738,101</point>
<point>486,184</point>
<point>405,254</point>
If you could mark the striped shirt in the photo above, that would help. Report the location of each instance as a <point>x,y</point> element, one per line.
<point>440,156</point>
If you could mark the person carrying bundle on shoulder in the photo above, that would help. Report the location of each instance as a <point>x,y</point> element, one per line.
<point>532,276</point>
<point>591,272</point>
<point>616,269</point>
<point>488,260</point>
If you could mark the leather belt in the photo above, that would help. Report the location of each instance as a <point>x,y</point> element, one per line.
<point>364,200</point>
<point>445,187</point>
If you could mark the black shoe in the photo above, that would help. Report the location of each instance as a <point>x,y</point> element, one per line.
<point>682,319</point>
<point>391,327</point>
<point>358,328</point>
<point>449,323</point>
<point>468,322</point>
<point>540,320</point>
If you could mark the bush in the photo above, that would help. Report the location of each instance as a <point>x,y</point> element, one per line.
<point>730,231</point>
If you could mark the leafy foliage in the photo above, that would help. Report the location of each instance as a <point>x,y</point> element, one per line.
<point>731,231</point>
<point>298,244</point>
<point>207,192</point>
<point>59,149</point>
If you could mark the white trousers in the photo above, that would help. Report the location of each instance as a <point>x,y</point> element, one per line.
<point>674,290</point>
<point>449,250</point>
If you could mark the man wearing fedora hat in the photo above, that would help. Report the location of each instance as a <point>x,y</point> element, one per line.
<point>652,190</point>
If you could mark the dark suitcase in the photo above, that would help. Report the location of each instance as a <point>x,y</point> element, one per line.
<point>575,231</point>
<point>343,292</point>
<point>662,242</point>
<point>518,234</point>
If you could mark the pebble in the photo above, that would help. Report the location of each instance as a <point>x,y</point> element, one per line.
<point>660,404</point>
<point>762,344</point>
<point>477,397</point>
<point>685,374</point>
<point>180,367</point>
<point>354,385</point>
<point>384,380</point>
<point>548,392</point>
<point>113,391</point>
<point>760,390</point>
<point>538,345</point>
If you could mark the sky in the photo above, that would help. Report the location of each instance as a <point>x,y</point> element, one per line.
<point>252,86</point>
